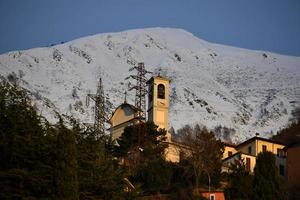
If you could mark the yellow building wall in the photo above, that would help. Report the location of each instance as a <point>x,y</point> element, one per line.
<point>257,147</point>
<point>252,161</point>
<point>243,157</point>
<point>158,110</point>
<point>172,153</point>
<point>122,117</point>
<point>117,131</point>
<point>272,147</point>
<point>122,114</point>
<point>228,149</point>
<point>244,148</point>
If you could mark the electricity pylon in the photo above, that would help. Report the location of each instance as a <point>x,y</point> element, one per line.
<point>140,103</point>
<point>100,116</point>
<point>141,90</point>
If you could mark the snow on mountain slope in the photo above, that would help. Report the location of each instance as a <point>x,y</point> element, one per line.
<point>250,91</point>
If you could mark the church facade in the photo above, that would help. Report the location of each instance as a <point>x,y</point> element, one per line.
<point>158,113</point>
<point>123,116</point>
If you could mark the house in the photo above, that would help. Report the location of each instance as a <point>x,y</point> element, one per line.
<point>212,194</point>
<point>248,160</point>
<point>248,151</point>
<point>293,170</point>
<point>229,150</point>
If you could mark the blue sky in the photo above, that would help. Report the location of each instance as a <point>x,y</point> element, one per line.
<point>271,25</point>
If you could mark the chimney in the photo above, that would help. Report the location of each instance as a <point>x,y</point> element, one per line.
<point>256,134</point>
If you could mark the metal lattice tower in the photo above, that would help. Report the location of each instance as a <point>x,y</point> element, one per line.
<point>141,90</point>
<point>100,116</point>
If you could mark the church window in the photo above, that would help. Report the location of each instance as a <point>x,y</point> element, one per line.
<point>161,91</point>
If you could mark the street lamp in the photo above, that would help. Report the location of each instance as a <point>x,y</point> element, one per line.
<point>208,179</point>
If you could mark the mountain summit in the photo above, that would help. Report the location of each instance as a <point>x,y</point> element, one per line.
<point>249,91</point>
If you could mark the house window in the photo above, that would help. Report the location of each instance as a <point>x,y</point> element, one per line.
<point>281,170</point>
<point>161,91</point>
<point>281,153</point>
<point>264,148</point>
<point>212,197</point>
<point>250,150</point>
<point>248,164</point>
<point>229,153</point>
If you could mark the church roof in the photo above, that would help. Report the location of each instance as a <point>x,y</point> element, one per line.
<point>122,106</point>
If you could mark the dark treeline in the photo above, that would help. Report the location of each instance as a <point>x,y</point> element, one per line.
<point>264,184</point>
<point>39,160</point>
<point>290,134</point>
<point>43,161</point>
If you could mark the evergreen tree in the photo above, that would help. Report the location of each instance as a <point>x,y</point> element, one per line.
<point>267,183</point>
<point>289,135</point>
<point>66,164</point>
<point>141,143</point>
<point>41,161</point>
<point>154,176</point>
<point>99,176</point>
<point>240,182</point>
<point>25,148</point>
<point>141,147</point>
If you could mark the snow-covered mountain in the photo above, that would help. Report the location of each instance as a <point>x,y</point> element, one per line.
<point>249,91</point>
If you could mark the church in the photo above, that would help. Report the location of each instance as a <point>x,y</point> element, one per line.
<point>158,112</point>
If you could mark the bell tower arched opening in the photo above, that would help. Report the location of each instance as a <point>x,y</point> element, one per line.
<point>161,91</point>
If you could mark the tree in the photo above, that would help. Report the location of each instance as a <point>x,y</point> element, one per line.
<point>66,164</point>
<point>43,161</point>
<point>141,143</point>
<point>142,146</point>
<point>267,183</point>
<point>240,182</point>
<point>290,135</point>
<point>154,176</point>
<point>205,154</point>
<point>99,176</point>
<point>26,147</point>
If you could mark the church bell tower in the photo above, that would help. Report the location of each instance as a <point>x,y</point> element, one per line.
<point>158,101</point>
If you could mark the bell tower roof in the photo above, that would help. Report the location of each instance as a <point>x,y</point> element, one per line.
<point>159,77</point>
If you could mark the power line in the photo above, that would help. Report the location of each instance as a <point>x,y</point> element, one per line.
<point>203,110</point>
